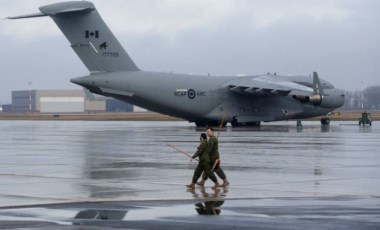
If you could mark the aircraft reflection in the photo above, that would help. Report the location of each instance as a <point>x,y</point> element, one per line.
<point>99,215</point>
<point>325,128</point>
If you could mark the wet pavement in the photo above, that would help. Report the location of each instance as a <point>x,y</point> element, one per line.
<point>123,174</point>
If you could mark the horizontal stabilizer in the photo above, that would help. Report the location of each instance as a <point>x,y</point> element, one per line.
<point>88,35</point>
<point>67,7</point>
<point>28,16</point>
<point>60,8</point>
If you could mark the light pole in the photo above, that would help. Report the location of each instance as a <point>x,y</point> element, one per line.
<point>30,96</point>
<point>362,101</point>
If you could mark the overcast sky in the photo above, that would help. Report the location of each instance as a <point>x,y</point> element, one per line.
<point>338,38</point>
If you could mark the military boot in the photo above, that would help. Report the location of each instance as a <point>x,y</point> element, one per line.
<point>191,186</point>
<point>216,185</point>
<point>225,183</point>
<point>201,183</point>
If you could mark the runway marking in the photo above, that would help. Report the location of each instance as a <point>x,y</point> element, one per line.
<point>39,176</point>
<point>303,181</point>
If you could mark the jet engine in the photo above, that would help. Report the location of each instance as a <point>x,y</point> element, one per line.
<point>313,99</point>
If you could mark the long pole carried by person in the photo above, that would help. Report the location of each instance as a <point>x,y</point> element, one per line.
<point>221,124</point>
<point>215,164</point>
<point>180,150</point>
<point>217,137</point>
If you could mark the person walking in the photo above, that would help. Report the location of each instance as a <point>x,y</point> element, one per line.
<point>204,164</point>
<point>214,159</point>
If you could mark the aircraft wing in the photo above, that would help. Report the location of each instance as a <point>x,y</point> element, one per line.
<point>267,85</point>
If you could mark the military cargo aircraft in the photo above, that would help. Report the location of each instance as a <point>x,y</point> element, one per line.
<point>205,100</point>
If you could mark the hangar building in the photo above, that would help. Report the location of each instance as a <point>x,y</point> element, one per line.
<point>63,101</point>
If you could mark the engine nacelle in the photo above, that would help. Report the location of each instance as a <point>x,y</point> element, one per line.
<point>302,99</point>
<point>333,98</point>
<point>314,99</point>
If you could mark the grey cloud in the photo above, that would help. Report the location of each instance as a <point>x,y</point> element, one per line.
<point>343,48</point>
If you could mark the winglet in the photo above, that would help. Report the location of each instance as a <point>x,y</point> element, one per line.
<point>317,87</point>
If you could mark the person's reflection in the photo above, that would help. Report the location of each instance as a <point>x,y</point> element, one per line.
<point>209,207</point>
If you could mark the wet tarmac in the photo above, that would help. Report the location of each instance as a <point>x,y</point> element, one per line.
<point>75,174</point>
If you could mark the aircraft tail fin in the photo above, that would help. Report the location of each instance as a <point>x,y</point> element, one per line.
<point>88,35</point>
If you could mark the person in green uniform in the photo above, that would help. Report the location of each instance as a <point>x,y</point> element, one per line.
<point>204,164</point>
<point>214,156</point>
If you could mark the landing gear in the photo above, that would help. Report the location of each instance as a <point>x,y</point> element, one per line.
<point>201,124</point>
<point>234,123</point>
<point>299,124</point>
<point>253,124</point>
<point>325,121</point>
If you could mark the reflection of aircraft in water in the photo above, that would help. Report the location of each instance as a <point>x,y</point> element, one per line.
<point>205,100</point>
<point>99,215</point>
<point>209,207</point>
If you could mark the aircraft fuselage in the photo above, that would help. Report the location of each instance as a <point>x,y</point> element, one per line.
<point>204,98</point>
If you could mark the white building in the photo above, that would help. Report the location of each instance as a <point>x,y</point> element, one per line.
<point>55,101</point>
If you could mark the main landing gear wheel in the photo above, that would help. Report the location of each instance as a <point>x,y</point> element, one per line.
<point>299,124</point>
<point>200,124</point>
<point>325,121</point>
<point>209,124</point>
<point>246,124</point>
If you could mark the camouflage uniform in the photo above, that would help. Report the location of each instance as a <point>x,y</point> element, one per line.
<point>214,155</point>
<point>204,163</point>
